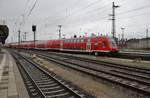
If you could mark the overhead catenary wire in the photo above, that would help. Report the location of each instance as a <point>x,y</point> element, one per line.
<point>89,12</point>
<point>81,9</point>
<point>74,19</point>
<point>32,8</point>
<point>135,9</point>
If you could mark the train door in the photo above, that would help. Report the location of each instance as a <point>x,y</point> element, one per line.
<point>88,44</point>
<point>61,44</point>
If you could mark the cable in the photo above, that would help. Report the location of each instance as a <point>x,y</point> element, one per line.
<point>136,9</point>
<point>32,8</point>
<point>133,16</point>
<point>91,4</point>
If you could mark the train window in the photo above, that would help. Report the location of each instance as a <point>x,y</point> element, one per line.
<point>82,40</point>
<point>96,43</point>
<point>79,40</point>
<point>76,40</point>
<point>104,44</point>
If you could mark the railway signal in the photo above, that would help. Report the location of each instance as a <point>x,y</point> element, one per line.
<point>34,30</point>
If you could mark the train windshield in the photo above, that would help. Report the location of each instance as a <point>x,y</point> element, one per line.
<point>112,42</point>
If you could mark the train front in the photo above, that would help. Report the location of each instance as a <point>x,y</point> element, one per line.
<point>113,46</point>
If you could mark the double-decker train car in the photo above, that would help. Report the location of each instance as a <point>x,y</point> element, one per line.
<point>100,44</point>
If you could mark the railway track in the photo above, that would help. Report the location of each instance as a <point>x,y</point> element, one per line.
<point>43,84</point>
<point>135,78</point>
<point>133,55</point>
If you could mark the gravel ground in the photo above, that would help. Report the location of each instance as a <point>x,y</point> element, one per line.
<point>134,62</point>
<point>98,89</point>
<point>1,56</point>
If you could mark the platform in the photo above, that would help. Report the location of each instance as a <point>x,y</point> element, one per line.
<point>11,83</point>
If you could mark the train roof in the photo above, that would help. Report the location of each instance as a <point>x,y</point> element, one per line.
<point>23,42</point>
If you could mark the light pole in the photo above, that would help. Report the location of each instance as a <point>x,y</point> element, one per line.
<point>113,19</point>
<point>59,31</point>
<point>147,38</point>
<point>122,33</point>
<point>122,36</point>
<point>19,38</point>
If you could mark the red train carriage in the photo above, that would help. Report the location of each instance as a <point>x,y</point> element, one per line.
<point>89,44</point>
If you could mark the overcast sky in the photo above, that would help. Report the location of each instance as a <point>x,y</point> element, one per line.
<point>75,16</point>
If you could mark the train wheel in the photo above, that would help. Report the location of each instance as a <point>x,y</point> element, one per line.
<point>96,53</point>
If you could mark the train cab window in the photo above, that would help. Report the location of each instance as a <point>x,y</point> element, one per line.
<point>112,42</point>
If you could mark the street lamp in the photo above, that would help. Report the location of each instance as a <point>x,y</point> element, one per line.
<point>122,36</point>
<point>59,31</point>
<point>122,33</point>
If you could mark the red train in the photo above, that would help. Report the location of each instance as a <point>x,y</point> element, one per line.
<point>100,44</point>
